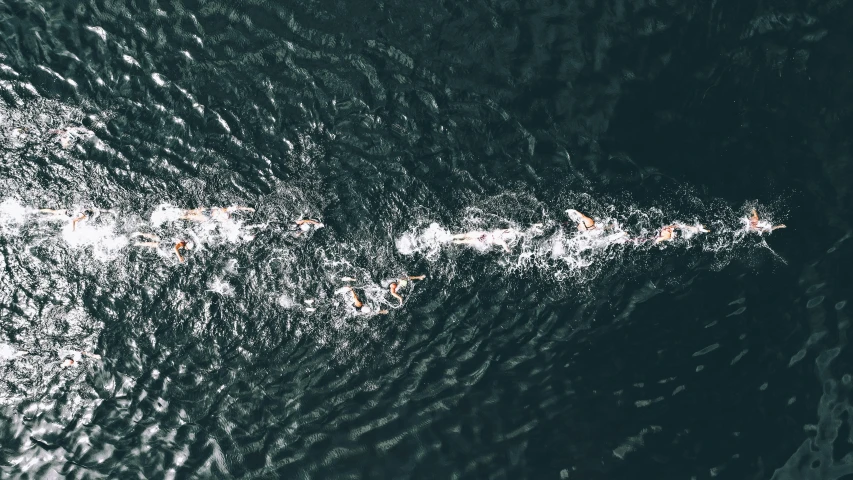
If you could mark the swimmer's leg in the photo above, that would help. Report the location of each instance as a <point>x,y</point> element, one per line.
<point>146,235</point>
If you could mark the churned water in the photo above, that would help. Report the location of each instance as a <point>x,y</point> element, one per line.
<point>530,349</point>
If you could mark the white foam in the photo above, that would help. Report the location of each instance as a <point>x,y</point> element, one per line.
<point>165,213</point>
<point>12,213</point>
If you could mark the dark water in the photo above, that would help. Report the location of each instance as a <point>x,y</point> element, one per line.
<point>722,356</point>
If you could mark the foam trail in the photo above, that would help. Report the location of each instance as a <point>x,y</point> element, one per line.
<point>102,238</point>
<point>428,243</point>
<point>12,215</point>
<point>605,244</point>
<point>165,213</point>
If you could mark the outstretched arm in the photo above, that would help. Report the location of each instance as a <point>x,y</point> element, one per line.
<point>74,222</point>
<point>393,290</point>
<point>782,225</point>
<point>178,247</point>
<point>355,299</point>
<point>418,277</point>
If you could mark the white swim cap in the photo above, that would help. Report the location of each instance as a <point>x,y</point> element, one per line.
<point>189,245</point>
<point>305,227</point>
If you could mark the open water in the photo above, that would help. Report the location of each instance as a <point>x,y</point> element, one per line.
<point>398,124</point>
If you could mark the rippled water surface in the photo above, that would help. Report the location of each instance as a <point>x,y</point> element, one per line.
<point>597,355</point>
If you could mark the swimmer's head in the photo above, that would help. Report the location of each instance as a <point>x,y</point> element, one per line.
<point>365,309</point>
<point>305,227</point>
<point>189,245</point>
<point>68,362</point>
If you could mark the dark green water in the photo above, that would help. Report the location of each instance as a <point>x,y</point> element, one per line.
<point>719,356</point>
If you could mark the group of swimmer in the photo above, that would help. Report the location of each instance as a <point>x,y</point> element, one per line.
<point>496,238</point>
<point>500,238</point>
<point>177,245</point>
<point>586,224</point>
<point>666,233</point>
<point>394,286</point>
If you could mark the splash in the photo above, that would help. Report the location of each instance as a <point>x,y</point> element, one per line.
<point>581,247</point>
<point>12,216</point>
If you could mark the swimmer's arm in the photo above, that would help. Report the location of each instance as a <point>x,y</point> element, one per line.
<point>74,222</point>
<point>147,244</point>
<point>355,299</point>
<point>93,355</point>
<point>307,221</point>
<point>393,290</point>
<point>781,225</point>
<point>418,277</point>
<point>178,252</point>
<point>235,209</point>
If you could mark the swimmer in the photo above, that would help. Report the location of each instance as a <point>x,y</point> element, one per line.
<point>67,136</point>
<point>57,214</point>
<point>88,214</point>
<point>584,223</point>
<point>761,226</point>
<point>61,215</point>
<point>355,301</point>
<point>495,237</point>
<point>196,215</point>
<point>70,360</point>
<point>204,214</point>
<point>665,234</point>
<point>359,306</point>
<point>18,136</point>
<point>182,245</point>
<point>400,283</point>
<point>19,132</point>
<point>153,244</point>
<point>307,224</point>
<point>692,229</point>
